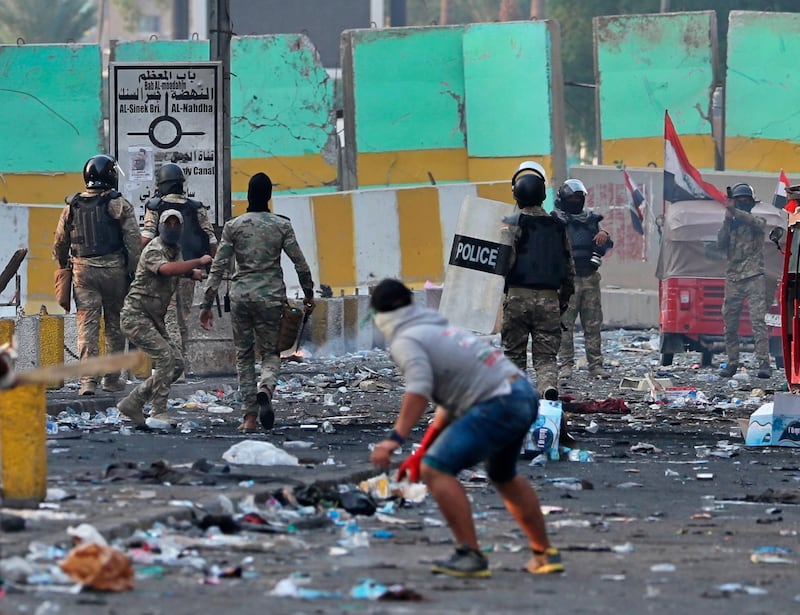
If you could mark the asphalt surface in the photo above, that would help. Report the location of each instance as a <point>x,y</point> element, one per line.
<point>658,525</point>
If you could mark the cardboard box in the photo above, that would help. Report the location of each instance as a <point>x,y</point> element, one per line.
<point>543,436</point>
<point>776,423</point>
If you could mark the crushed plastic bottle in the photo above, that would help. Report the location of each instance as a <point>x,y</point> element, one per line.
<point>581,455</point>
<point>352,537</point>
<point>52,428</point>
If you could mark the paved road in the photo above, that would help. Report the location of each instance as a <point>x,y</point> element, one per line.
<point>670,529</point>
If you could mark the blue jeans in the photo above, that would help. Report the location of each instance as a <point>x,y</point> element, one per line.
<point>492,430</point>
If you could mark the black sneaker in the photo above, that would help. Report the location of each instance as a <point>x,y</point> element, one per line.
<point>266,415</point>
<point>464,563</point>
<point>551,394</point>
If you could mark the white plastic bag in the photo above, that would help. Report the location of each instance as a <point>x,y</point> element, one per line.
<point>256,453</point>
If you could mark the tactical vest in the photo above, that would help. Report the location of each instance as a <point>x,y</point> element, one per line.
<point>541,261</point>
<point>93,232</point>
<point>194,241</point>
<point>581,238</point>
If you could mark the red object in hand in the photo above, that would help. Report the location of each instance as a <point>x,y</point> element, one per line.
<point>413,461</point>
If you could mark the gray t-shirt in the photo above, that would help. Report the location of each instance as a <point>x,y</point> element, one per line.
<point>448,365</point>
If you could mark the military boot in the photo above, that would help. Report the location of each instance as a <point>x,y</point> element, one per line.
<point>131,406</point>
<point>729,370</point>
<point>113,385</point>
<point>88,387</point>
<point>598,372</point>
<point>764,370</point>
<point>266,415</point>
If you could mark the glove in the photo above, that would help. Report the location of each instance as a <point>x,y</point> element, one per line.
<point>413,461</point>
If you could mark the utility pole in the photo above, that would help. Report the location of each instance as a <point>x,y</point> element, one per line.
<point>665,6</point>
<point>220,34</point>
<point>180,20</point>
<point>397,13</point>
<point>538,9</point>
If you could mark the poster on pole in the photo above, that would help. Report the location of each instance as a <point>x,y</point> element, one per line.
<point>168,112</point>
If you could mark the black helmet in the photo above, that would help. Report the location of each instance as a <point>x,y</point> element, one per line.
<point>743,190</point>
<point>743,197</point>
<point>571,196</point>
<point>529,190</point>
<point>101,172</point>
<point>169,179</point>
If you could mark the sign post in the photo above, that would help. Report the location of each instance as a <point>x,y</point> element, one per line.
<point>168,112</point>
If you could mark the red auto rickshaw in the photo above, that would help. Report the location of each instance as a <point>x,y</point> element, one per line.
<point>691,274</point>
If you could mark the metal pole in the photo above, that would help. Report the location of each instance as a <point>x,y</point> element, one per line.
<point>397,14</point>
<point>219,32</point>
<point>180,20</point>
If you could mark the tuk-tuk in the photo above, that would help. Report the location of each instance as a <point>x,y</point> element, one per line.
<point>691,288</point>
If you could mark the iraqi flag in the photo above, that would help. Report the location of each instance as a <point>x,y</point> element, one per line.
<point>682,182</point>
<point>637,217</point>
<point>779,199</point>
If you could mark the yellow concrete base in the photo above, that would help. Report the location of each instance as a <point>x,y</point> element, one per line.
<point>23,452</point>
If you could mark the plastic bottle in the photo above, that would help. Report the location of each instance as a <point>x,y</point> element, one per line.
<point>578,454</point>
<point>352,537</point>
<point>52,428</point>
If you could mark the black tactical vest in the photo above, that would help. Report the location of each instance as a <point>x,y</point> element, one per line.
<point>93,232</point>
<point>581,238</point>
<point>541,261</point>
<point>194,241</point>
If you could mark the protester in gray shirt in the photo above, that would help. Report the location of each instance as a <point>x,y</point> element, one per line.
<point>485,406</point>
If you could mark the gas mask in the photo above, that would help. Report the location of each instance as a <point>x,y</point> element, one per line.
<point>170,235</point>
<point>744,203</point>
<point>572,204</point>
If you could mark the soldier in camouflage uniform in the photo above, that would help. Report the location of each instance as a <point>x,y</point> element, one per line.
<point>742,239</point>
<point>589,244</point>
<point>256,240</point>
<point>98,232</point>
<point>197,238</point>
<point>540,281</point>
<point>143,316</point>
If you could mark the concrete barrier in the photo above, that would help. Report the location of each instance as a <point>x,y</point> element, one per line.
<point>338,325</point>
<point>23,450</point>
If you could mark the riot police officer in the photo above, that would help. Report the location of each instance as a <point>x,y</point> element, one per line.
<point>540,281</point>
<point>742,239</point>
<point>98,233</point>
<point>589,244</point>
<point>197,239</point>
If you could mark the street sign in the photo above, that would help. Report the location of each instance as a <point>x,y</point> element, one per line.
<point>168,112</point>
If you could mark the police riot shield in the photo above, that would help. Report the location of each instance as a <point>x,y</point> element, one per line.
<point>479,260</point>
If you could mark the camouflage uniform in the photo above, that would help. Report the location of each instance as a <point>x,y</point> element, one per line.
<point>536,313</point>
<point>143,322</point>
<point>586,303</point>
<point>582,229</point>
<point>180,306</point>
<point>100,283</point>
<point>255,241</point>
<point>742,240</point>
